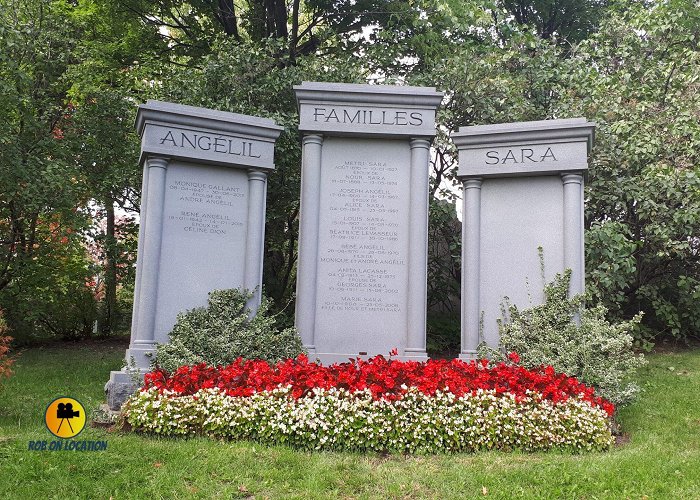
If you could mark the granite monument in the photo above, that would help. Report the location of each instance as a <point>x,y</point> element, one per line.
<point>362,268</point>
<point>202,218</point>
<point>522,192</point>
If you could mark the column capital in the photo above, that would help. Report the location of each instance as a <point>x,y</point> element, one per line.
<point>571,178</point>
<point>420,142</point>
<point>256,175</point>
<point>157,161</point>
<point>472,183</point>
<point>312,139</point>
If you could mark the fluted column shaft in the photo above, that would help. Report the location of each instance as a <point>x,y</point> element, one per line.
<point>418,249</point>
<point>573,231</point>
<point>255,236</point>
<point>142,336</point>
<point>471,263</point>
<point>308,240</point>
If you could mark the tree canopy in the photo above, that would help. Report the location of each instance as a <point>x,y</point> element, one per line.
<point>73,72</point>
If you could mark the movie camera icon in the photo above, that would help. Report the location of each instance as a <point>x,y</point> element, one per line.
<point>65,413</point>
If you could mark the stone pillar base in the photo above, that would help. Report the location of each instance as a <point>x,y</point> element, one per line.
<point>139,357</point>
<point>468,356</point>
<point>120,386</point>
<point>414,355</point>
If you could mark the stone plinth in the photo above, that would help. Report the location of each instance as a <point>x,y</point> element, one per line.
<point>202,218</point>
<point>361,277</point>
<point>523,190</point>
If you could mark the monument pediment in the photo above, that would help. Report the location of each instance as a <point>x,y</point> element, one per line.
<point>209,136</point>
<point>542,147</point>
<point>367,110</point>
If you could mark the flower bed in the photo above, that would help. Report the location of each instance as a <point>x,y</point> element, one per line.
<point>378,405</point>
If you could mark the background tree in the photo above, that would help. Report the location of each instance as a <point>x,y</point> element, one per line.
<point>638,79</point>
<point>115,66</point>
<point>190,29</point>
<point>563,21</point>
<point>42,267</point>
<point>104,145</point>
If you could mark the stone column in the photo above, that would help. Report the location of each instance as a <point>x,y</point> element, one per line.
<point>142,341</point>
<point>255,236</point>
<point>573,230</point>
<point>308,240</point>
<point>471,256</point>
<point>139,247</point>
<point>418,250</point>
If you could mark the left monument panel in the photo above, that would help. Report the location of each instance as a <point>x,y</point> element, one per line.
<point>202,219</point>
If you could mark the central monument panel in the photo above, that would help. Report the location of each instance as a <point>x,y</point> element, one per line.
<point>361,276</point>
<point>363,245</point>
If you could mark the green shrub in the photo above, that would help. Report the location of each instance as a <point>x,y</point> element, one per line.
<point>5,360</point>
<point>595,351</point>
<point>50,297</point>
<point>444,335</point>
<point>224,331</point>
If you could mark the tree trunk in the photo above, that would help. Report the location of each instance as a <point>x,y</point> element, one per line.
<point>227,17</point>
<point>110,313</point>
<point>295,31</point>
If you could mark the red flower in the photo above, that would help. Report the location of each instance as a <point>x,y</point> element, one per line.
<point>386,379</point>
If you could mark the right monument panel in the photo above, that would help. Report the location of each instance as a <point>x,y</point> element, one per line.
<point>522,207</point>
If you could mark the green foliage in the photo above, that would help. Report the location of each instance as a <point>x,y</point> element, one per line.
<point>566,21</point>
<point>254,79</point>
<point>53,296</point>
<point>610,262</point>
<point>104,146</point>
<point>45,269</point>
<point>5,360</point>
<point>443,335</point>
<point>575,340</point>
<point>638,80</point>
<point>224,331</point>
<point>444,244</point>
<point>301,28</point>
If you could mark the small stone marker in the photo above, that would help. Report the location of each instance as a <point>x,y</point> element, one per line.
<point>523,189</point>
<point>202,218</point>
<point>361,276</point>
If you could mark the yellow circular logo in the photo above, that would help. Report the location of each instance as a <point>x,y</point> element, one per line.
<point>65,417</point>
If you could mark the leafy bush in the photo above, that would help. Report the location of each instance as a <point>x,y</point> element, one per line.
<point>52,295</point>
<point>376,405</point>
<point>444,335</point>
<point>5,360</point>
<point>643,188</point>
<point>595,351</point>
<point>224,331</point>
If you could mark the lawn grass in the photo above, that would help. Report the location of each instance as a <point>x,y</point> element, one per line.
<point>660,459</point>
